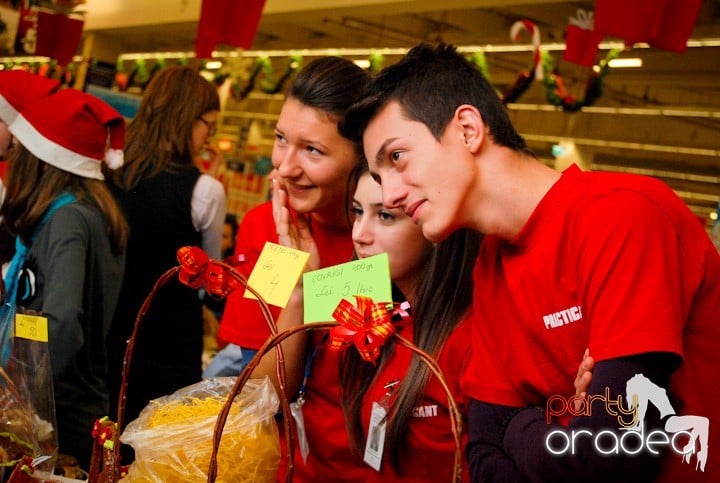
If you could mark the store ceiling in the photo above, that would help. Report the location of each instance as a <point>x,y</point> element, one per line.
<point>662,119</point>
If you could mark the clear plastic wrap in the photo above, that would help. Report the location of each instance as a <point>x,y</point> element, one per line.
<point>27,403</point>
<point>173,436</point>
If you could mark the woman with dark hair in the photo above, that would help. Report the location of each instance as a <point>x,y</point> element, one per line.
<point>437,282</point>
<point>70,247</point>
<point>418,441</point>
<point>312,160</point>
<point>169,204</point>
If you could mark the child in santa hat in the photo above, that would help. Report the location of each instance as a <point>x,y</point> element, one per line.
<point>70,244</point>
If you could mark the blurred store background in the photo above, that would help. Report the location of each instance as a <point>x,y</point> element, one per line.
<point>657,112</point>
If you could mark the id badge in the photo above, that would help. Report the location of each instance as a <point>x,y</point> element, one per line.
<point>376,437</point>
<point>296,411</point>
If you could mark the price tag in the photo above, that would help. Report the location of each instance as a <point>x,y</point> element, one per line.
<point>276,273</point>
<point>323,289</point>
<point>31,327</point>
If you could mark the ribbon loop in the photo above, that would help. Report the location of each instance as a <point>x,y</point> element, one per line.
<point>401,310</point>
<point>216,280</point>
<point>366,325</point>
<point>198,270</point>
<point>583,19</point>
<point>193,262</point>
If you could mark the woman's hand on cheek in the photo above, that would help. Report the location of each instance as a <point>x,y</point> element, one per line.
<point>294,233</point>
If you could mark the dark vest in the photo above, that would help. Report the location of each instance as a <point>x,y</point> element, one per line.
<point>168,350</point>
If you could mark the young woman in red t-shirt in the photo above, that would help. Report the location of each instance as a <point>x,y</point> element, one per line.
<point>339,389</point>
<point>312,161</point>
<point>418,443</point>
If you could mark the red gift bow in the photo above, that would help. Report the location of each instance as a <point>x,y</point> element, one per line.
<point>368,326</point>
<point>196,270</point>
<point>103,431</point>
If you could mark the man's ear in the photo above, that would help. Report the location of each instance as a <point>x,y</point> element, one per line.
<point>473,127</point>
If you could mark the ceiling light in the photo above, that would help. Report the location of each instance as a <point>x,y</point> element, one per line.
<point>213,65</point>
<point>631,62</point>
<point>713,215</point>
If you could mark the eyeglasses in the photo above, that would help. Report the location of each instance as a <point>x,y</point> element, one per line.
<point>212,127</point>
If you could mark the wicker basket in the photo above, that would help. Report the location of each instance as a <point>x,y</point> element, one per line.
<point>106,465</point>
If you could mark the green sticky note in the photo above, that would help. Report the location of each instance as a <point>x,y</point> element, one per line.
<point>323,289</point>
<point>276,273</point>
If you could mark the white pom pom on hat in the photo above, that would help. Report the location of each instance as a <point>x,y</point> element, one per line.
<point>72,131</point>
<point>19,88</point>
<point>114,158</point>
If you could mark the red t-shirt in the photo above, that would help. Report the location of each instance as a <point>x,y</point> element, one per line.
<point>330,458</point>
<point>243,323</point>
<point>431,446</point>
<point>613,262</point>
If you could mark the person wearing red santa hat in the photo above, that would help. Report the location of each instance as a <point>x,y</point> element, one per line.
<point>17,88</point>
<point>70,247</point>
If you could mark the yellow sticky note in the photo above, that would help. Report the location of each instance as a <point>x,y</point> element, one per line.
<point>276,273</point>
<point>31,327</point>
<point>323,289</point>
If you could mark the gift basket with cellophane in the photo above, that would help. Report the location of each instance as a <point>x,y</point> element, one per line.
<point>173,436</point>
<point>28,433</point>
<point>224,429</point>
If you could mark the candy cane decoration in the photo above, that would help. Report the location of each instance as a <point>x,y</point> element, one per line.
<point>535,34</point>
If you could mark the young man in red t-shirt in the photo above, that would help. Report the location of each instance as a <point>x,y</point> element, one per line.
<point>610,262</point>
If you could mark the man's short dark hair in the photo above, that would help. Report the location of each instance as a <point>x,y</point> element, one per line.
<point>430,83</point>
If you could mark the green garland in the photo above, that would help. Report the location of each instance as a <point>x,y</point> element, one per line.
<point>267,85</point>
<point>139,76</point>
<point>270,87</point>
<point>240,94</point>
<point>556,93</point>
<point>522,83</point>
<point>376,62</point>
<point>480,62</point>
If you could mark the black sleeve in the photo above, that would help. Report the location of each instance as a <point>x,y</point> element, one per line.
<point>486,457</point>
<point>509,444</point>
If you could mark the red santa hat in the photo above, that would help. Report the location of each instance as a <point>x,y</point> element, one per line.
<point>72,131</point>
<point>19,88</point>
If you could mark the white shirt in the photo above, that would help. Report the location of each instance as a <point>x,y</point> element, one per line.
<point>208,207</point>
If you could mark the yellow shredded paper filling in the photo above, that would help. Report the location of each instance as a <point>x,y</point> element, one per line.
<point>251,454</point>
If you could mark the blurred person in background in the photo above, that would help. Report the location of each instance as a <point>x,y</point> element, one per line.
<point>169,204</point>
<point>70,247</point>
